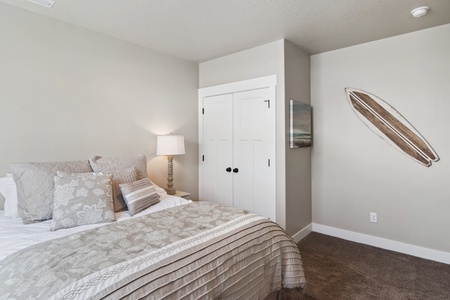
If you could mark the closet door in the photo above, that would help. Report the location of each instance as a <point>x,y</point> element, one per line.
<point>254,152</point>
<point>217,157</point>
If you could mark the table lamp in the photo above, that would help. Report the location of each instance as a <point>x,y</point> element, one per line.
<point>170,145</point>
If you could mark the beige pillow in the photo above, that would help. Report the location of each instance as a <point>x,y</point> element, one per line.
<point>109,165</point>
<point>35,186</point>
<point>118,177</point>
<point>82,199</point>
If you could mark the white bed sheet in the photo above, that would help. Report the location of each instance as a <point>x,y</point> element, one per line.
<point>14,235</point>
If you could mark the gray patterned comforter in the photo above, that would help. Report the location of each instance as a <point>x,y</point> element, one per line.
<point>195,251</point>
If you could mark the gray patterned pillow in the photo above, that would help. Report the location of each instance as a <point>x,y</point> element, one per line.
<point>122,176</point>
<point>35,186</point>
<point>82,199</point>
<point>109,165</point>
<point>139,195</point>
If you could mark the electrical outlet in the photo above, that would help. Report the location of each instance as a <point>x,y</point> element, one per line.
<point>373,217</point>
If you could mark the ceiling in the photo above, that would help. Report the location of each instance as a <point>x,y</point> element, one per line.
<point>200,30</point>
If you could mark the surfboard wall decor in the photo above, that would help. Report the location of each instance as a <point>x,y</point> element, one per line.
<point>391,126</point>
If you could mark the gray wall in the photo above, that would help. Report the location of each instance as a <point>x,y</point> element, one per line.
<point>256,62</point>
<point>68,93</point>
<point>354,172</point>
<point>298,166</point>
<point>293,166</point>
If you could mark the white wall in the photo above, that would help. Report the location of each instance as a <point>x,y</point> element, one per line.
<point>68,93</point>
<point>354,172</point>
<point>255,62</point>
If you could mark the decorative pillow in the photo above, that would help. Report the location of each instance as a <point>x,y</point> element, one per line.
<point>68,174</point>
<point>9,191</point>
<point>139,195</point>
<point>35,186</point>
<point>82,199</point>
<point>109,165</point>
<point>118,177</point>
<point>2,202</point>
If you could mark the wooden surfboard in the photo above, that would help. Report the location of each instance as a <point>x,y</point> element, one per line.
<point>391,126</point>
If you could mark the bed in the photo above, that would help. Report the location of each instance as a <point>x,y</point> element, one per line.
<point>173,249</point>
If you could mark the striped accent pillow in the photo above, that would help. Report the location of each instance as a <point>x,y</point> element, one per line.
<point>139,195</point>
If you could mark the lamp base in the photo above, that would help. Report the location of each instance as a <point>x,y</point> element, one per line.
<point>170,189</point>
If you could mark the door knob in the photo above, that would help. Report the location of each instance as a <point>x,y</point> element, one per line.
<point>235,170</point>
<point>228,169</point>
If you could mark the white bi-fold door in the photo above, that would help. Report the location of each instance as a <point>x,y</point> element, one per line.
<point>217,149</point>
<point>238,150</point>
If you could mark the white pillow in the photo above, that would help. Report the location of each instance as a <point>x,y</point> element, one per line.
<point>159,189</point>
<point>9,191</point>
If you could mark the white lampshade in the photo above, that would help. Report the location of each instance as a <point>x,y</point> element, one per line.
<point>170,145</point>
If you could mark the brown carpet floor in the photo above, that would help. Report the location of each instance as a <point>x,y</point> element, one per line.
<point>339,269</point>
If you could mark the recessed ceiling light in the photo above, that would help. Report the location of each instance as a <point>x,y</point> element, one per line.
<point>46,3</point>
<point>420,11</point>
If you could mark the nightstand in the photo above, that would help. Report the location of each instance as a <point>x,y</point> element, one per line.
<point>184,195</point>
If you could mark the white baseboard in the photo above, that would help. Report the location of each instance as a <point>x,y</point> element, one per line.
<point>302,233</point>
<point>436,255</point>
